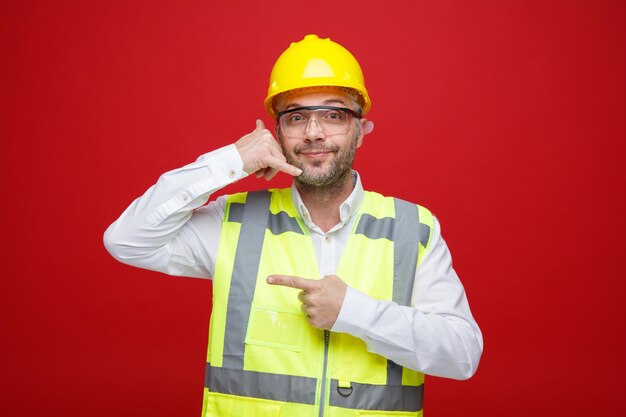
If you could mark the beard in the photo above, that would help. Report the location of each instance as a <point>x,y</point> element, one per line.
<point>338,169</point>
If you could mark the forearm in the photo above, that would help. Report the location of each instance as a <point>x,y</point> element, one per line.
<point>435,344</point>
<point>153,228</point>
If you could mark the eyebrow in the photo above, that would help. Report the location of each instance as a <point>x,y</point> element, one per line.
<point>325,102</point>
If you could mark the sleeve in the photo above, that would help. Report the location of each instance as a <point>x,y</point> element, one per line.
<point>436,335</point>
<point>167,229</point>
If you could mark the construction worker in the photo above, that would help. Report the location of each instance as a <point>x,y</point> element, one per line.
<point>328,300</point>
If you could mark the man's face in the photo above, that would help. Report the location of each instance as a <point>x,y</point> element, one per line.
<point>325,160</point>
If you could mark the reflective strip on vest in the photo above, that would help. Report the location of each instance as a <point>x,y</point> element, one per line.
<point>281,222</point>
<point>287,388</point>
<point>255,217</point>
<point>247,258</point>
<point>375,228</point>
<point>299,389</point>
<point>378,397</point>
<point>277,223</point>
<point>405,248</point>
<point>394,373</point>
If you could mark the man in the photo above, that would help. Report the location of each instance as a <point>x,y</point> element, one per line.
<point>327,299</point>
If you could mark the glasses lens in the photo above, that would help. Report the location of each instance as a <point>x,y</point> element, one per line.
<point>331,121</point>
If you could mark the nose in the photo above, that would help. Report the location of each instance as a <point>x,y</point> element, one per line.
<point>313,130</point>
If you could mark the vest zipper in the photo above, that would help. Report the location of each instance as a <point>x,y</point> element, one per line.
<point>323,388</point>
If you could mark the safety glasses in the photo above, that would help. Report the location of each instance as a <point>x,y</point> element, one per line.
<point>330,120</point>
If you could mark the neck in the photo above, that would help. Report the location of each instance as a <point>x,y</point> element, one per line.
<point>323,202</point>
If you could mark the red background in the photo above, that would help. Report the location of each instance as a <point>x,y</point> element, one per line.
<point>505,118</point>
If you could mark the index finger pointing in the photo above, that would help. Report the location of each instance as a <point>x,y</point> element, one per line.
<point>291,281</point>
<point>259,124</point>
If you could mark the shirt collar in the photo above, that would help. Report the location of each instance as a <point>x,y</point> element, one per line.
<point>347,209</point>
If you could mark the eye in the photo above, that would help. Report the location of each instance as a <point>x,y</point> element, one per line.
<point>295,118</point>
<point>334,116</point>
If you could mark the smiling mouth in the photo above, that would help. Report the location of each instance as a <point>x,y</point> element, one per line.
<point>315,153</point>
<point>316,156</point>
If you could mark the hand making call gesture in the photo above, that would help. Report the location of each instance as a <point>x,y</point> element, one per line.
<point>261,154</point>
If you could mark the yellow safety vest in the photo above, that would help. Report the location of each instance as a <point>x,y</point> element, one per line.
<point>264,359</point>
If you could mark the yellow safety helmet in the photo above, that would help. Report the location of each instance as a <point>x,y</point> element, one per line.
<point>315,62</point>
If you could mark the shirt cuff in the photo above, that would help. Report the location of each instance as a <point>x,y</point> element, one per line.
<point>225,161</point>
<point>193,183</point>
<point>356,313</point>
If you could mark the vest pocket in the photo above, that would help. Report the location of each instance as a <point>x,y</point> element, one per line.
<point>218,405</point>
<point>275,328</point>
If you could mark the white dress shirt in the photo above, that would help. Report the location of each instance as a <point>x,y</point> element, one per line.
<point>170,229</point>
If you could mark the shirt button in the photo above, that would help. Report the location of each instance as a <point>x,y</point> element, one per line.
<point>328,239</point>
<point>185,197</point>
<point>231,174</point>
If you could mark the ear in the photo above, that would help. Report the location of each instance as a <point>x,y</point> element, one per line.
<point>278,136</point>
<point>366,128</point>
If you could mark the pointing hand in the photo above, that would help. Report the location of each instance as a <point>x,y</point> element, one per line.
<point>321,299</point>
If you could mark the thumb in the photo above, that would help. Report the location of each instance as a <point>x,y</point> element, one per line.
<point>259,124</point>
